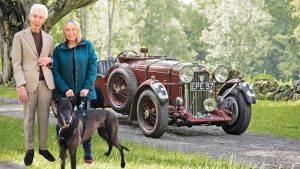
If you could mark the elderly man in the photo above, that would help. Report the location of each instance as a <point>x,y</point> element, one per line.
<point>31,55</point>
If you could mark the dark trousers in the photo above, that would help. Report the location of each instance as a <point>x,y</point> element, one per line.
<point>85,106</point>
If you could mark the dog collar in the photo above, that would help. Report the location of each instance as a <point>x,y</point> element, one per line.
<point>65,133</point>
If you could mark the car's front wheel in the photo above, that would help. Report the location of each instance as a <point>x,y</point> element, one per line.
<point>152,115</point>
<point>240,112</point>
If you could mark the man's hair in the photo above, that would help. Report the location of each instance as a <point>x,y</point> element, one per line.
<point>39,6</point>
<point>79,35</point>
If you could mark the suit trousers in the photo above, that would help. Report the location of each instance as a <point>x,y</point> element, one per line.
<point>38,101</point>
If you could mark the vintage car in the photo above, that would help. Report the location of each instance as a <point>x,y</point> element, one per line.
<point>156,92</point>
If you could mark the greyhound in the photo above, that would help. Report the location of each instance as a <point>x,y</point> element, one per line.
<point>74,127</point>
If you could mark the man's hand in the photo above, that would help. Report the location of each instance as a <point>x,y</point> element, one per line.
<point>44,61</point>
<point>84,92</point>
<point>69,93</point>
<point>22,94</point>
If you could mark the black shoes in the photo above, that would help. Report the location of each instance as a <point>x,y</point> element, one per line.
<point>47,155</point>
<point>30,153</point>
<point>29,157</point>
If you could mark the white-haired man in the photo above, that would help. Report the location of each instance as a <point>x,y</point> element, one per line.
<point>31,54</point>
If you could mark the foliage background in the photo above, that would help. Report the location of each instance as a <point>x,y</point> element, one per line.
<point>253,36</point>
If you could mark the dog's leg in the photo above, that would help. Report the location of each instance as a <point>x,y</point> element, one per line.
<point>72,152</point>
<point>120,148</point>
<point>104,134</point>
<point>62,154</point>
<point>113,138</point>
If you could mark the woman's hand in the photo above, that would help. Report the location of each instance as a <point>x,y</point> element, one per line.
<point>69,93</point>
<point>84,92</point>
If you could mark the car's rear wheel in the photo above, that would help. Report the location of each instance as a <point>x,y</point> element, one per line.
<point>152,115</point>
<point>241,112</point>
<point>121,88</point>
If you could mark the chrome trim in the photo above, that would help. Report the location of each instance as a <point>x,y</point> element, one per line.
<point>194,99</point>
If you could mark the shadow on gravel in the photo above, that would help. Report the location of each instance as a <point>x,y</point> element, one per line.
<point>194,131</point>
<point>10,165</point>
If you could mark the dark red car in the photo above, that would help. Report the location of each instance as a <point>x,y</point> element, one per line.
<point>157,92</point>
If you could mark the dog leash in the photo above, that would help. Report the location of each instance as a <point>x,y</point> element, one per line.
<point>84,123</point>
<point>83,113</point>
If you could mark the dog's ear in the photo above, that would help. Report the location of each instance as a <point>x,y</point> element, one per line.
<point>72,99</point>
<point>56,99</point>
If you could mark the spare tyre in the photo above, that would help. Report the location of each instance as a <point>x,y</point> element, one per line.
<point>121,88</point>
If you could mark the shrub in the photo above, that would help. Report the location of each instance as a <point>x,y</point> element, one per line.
<point>263,76</point>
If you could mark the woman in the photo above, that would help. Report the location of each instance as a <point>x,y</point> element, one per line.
<point>74,71</point>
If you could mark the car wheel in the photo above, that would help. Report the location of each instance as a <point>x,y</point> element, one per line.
<point>152,115</point>
<point>121,87</point>
<point>241,112</point>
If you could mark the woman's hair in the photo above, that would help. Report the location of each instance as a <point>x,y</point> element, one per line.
<point>39,6</point>
<point>79,35</point>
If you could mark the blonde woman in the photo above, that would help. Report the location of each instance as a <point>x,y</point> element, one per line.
<point>74,71</point>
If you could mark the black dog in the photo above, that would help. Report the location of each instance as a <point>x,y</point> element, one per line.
<point>75,127</point>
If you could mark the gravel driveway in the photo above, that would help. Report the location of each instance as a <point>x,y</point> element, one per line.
<point>262,150</point>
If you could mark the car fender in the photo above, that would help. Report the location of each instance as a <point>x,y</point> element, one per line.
<point>242,85</point>
<point>157,87</point>
<point>160,91</point>
<point>248,92</point>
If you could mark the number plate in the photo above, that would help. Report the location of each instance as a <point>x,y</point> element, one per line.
<point>198,86</point>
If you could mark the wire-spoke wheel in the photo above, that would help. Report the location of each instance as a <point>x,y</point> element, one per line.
<point>152,115</point>
<point>121,88</point>
<point>240,112</point>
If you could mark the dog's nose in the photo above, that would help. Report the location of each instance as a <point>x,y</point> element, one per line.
<point>67,122</point>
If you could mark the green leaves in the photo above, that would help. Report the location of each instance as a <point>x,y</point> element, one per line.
<point>254,36</point>
<point>236,33</point>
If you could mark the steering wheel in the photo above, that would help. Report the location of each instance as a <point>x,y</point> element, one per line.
<point>127,53</point>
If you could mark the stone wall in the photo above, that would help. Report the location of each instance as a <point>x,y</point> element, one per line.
<point>270,90</point>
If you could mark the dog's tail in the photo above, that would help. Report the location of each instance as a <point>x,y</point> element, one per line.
<point>125,148</point>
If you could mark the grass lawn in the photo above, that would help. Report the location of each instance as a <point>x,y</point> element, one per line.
<point>140,156</point>
<point>8,92</point>
<point>276,118</point>
<point>271,118</point>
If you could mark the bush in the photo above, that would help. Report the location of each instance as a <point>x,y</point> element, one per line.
<point>263,76</point>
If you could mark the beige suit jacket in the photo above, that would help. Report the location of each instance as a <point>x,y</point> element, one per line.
<point>25,60</point>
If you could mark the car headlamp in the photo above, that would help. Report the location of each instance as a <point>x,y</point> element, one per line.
<point>186,74</point>
<point>209,104</point>
<point>221,73</point>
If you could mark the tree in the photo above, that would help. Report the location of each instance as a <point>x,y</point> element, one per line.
<point>283,57</point>
<point>13,18</point>
<point>193,22</point>
<point>296,4</point>
<point>236,34</point>
<point>110,11</point>
<point>83,21</point>
<point>160,30</point>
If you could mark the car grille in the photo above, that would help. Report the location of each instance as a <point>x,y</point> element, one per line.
<point>194,99</point>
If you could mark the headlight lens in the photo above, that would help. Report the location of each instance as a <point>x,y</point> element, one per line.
<point>209,104</point>
<point>186,74</point>
<point>221,73</point>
